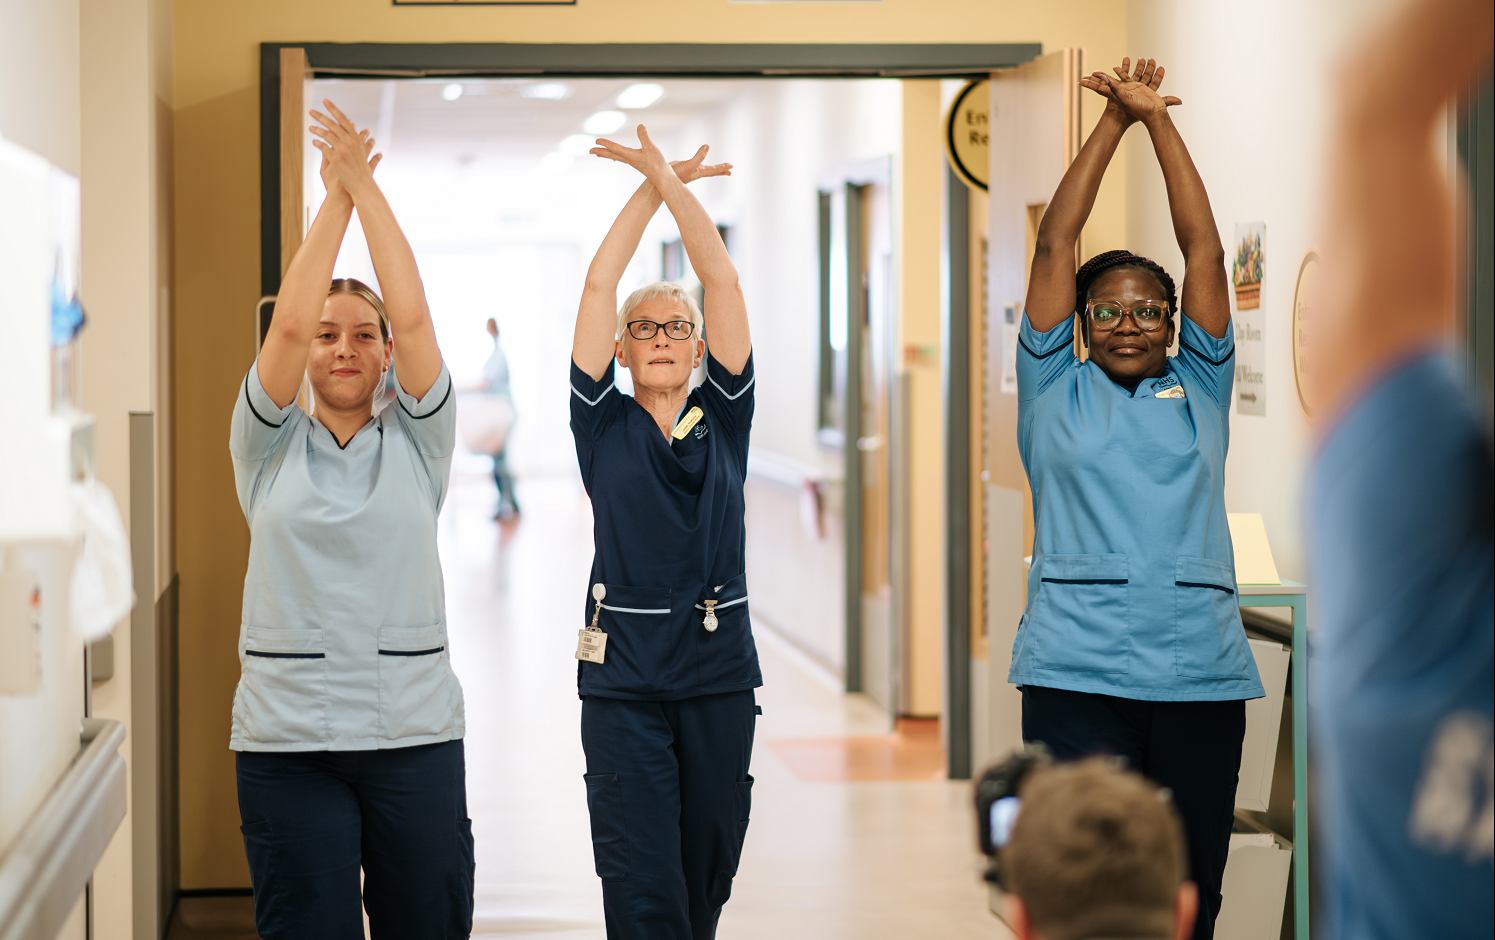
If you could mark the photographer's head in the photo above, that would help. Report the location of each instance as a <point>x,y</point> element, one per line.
<point>1096,851</point>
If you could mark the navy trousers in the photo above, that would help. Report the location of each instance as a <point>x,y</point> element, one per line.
<point>669,793</point>
<point>312,819</point>
<point>1192,748</point>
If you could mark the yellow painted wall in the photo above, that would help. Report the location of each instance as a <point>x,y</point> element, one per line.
<point>217,263</point>
<point>919,195</point>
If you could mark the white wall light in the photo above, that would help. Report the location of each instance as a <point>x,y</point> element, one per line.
<point>604,122</point>
<point>550,91</point>
<point>452,92</point>
<point>577,145</point>
<point>639,96</point>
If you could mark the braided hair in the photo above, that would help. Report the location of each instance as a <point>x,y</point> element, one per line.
<point>1091,271</point>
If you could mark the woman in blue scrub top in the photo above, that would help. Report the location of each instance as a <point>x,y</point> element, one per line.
<point>1131,643</point>
<point>347,721</point>
<point>668,714</point>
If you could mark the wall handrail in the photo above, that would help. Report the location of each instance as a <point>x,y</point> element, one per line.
<point>46,867</point>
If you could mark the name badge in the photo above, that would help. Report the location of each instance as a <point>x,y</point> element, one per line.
<point>591,643</point>
<point>1176,391</point>
<point>686,423</point>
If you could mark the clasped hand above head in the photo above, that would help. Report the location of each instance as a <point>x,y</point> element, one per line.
<point>1132,93</point>
<point>596,341</point>
<point>346,164</point>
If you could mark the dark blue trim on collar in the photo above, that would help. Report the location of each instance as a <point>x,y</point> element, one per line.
<point>250,402</point>
<point>1207,359</point>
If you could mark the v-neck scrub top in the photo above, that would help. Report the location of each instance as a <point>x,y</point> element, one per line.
<point>343,643</point>
<point>1132,588</point>
<point>669,532</point>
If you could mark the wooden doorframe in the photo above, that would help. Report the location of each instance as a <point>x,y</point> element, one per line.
<point>281,228</point>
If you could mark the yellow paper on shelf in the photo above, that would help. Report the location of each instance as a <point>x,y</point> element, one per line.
<point>1253,554</point>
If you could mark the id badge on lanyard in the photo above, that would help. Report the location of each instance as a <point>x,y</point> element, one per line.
<point>591,643</point>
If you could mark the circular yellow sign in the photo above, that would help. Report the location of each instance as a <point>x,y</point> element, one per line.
<point>1302,299</point>
<point>967,133</point>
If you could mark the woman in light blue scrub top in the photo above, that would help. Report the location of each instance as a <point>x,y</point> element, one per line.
<point>1131,643</point>
<point>347,721</point>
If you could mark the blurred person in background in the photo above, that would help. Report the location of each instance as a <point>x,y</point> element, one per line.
<point>1096,851</point>
<point>495,383</point>
<point>1400,506</point>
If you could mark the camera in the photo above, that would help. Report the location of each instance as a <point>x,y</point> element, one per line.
<point>997,802</point>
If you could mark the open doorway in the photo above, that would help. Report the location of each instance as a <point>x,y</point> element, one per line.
<point>504,212</point>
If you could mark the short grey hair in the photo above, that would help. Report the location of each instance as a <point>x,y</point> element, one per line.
<point>662,290</point>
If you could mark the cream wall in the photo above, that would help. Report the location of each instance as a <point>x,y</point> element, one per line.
<point>1255,116</point>
<point>126,144</point>
<point>39,78</point>
<point>217,261</point>
<point>918,200</point>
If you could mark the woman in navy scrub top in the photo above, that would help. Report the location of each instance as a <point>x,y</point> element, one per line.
<point>347,720</point>
<point>1131,643</point>
<point>667,717</point>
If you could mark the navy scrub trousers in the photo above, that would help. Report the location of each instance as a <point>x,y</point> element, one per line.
<point>312,819</point>
<point>1192,748</point>
<point>669,793</point>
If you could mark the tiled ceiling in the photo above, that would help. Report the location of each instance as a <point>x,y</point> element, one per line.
<point>495,118</point>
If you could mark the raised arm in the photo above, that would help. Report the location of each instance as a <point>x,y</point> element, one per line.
<point>596,322</point>
<point>1205,295</point>
<point>1051,280</point>
<point>1390,258</point>
<point>725,309</point>
<point>417,358</point>
<point>303,291</point>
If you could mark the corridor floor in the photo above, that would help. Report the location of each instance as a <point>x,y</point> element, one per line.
<point>825,858</point>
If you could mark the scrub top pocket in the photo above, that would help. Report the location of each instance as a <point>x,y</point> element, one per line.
<point>646,652</point>
<point>1081,620</point>
<point>415,689</point>
<point>1209,640</point>
<point>727,652</point>
<point>282,695</point>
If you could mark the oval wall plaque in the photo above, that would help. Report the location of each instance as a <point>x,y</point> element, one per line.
<point>1302,299</point>
<point>967,130</point>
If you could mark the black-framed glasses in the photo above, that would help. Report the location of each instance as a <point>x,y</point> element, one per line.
<point>1149,315</point>
<point>675,329</point>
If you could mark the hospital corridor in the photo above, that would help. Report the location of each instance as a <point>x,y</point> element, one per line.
<point>746,469</point>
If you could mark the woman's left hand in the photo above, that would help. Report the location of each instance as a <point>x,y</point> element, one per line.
<point>646,158</point>
<point>345,151</point>
<point>1132,92</point>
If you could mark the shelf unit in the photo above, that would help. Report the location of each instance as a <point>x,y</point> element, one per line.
<point>1294,595</point>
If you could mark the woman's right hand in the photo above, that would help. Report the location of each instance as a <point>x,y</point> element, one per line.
<point>691,170</point>
<point>344,148</point>
<point>1132,94</point>
<point>330,181</point>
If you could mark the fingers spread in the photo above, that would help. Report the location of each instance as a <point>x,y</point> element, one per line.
<point>1157,78</point>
